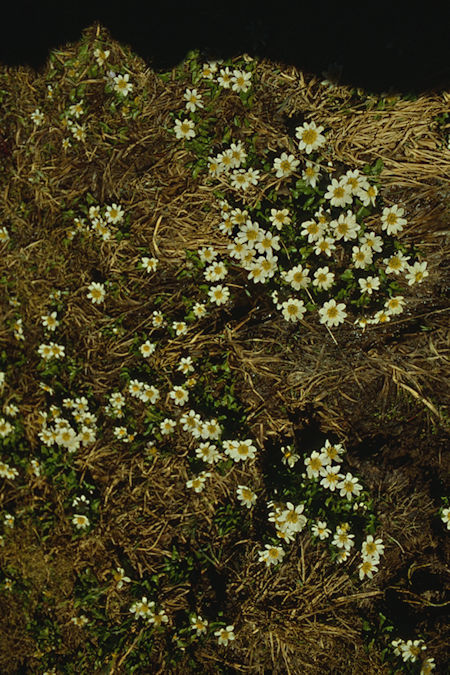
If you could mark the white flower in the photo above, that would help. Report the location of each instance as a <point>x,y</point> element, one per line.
<point>324,245</point>
<point>121,433</point>
<point>149,264</point>
<point>241,80</point>
<point>369,284</point>
<point>332,314</point>
<point>395,304</point>
<point>355,181</point>
<point>272,555</point>
<point>391,220</point>
<point>185,365</point>
<point>199,310</point>
<point>158,618</point>
<point>121,84</point>
<point>215,272</point>
<point>372,240</point>
<point>239,179</point>
<point>37,116</point>
<point>224,635</point>
<point>208,70</point>
<point>246,496</point>
<point>49,321</point>
<point>226,160</point>
<point>293,309</point>
<point>313,464</point>
<point>382,316</point>
<point>238,154</point>
<point>193,99</point>
<point>208,452</point>
<point>342,539</point>
<point>225,78</point>
<point>101,56</point>
<point>321,530</point>
<point>190,421</point>
<point>96,292</point>
<point>5,428</point>
<point>331,476</point>
<point>179,395</point>
<point>147,348</point>
<point>143,608</point>
<point>198,483</point>
<point>215,167</point>
<point>349,486</point>
<point>445,517</point>
<point>323,278</point>
<point>279,217</point>
<point>361,256</point>
<point>78,131</point>
<point>338,194</point>
<point>289,457</point>
<point>8,520</point>
<point>198,624</point>
<point>7,471</point>
<point>396,263</point>
<point>11,409</point>
<point>249,234</point>
<point>180,327</point>
<point>372,548</point>
<point>292,518</point>
<point>184,129</point>
<point>207,254</point>
<point>345,227</point>
<point>298,277</point>
<point>367,568</point>
<point>211,429</point>
<point>80,621</point>
<point>219,294</point>
<point>114,214</point>
<point>167,426</point>
<point>253,176</point>
<point>428,664</point>
<point>256,273</point>
<point>416,273</point>
<point>368,195</point>
<point>309,137</point>
<point>80,521</point>
<point>412,649</point>
<point>120,578</point>
<point>311,174</point>
<point>314,231</point>
<point>239,450</point>
<point>285,165</point>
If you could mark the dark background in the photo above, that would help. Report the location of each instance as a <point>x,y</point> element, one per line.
<point>379,46</point>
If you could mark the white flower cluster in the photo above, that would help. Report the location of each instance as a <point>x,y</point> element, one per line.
<point>146,610</point>
<point>62,433</point>
<point>101,221</point>
<point>7,471</point>
<point>256,249</point>
<point>371,551</point>
<point>238,450</point>
<point>289,521</point>
<point>410,650</point>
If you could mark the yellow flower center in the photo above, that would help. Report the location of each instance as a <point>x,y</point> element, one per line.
<point>309,136</point>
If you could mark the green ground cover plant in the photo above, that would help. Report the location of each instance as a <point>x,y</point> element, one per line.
<point>223,370</point>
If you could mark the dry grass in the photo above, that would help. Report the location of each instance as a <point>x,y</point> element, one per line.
<point>383,391</point>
